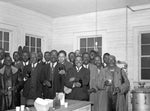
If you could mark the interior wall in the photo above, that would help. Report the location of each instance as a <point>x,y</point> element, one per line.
<point>21,21</point>
<point>119,28</point>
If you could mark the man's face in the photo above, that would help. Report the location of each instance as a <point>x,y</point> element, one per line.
<point>47,56</point>
<point>16,56</point>
<point>86,59</point>
<point>2,54</point>
<point>78,61</point>
<point>33,58</point>
<point>92,55</point>
<point>72,57</point>
<point>54,56</point>
<point>105,59</point>
<point>61,58</point>
<point>97,61</point>
<point>112,61</point>
<point>40,56</point>
<point>8,61</point>
<point>25,57</point>
<point>77,53</point>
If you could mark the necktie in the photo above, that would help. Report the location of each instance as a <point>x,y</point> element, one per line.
<point>33,66</point>
<point>86,66</point>
<point>78,69</point>
<point>52,67</point>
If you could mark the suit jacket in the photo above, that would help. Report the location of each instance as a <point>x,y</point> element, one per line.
<point>33,85</point>
<point>68,65</point>
<point>78,93</point>
<point>48,74</point>
<point>58,78</point>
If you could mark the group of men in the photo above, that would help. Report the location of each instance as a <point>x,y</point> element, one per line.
<point>80,77</point>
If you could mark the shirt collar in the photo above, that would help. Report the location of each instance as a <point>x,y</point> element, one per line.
<point>34,65</point>
<point>54,64</point>
<point>47,62</point>
<point>86,66</point>
<point>40,61</point>
<point>26,63</point>
<point>78,69</point>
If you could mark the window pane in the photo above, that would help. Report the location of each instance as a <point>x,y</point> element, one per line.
<point>99,41</point>
<point>26,48</point>
<point>6,36</point>
<point>0,35</point>
<point>82,50</point>
<point>32,49</point>
<point>83,42</point>
<point>38,49</point>
<point>99,50</point>
<point>89,49</point>
<point>27,41</point>
<point>145,62</point>
<point>90,42</point>
<point>6,46</point>
<point>38,42</point>
<point>145,74</point>
<point>7,54</point>
<point>1,44</point>
<point>32,41</point>
<point>145,50</point>
<point>145,38</point>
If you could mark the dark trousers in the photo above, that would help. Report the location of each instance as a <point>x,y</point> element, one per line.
<point>112,99</point>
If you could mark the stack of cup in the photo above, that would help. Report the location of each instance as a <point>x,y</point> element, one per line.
<point>17,108</point>
<point>20,108</point>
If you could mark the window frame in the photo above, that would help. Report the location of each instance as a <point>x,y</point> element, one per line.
<point>140,56</point>
<point>36,37</point>
<point>90,36</point>
<point>9,41</point>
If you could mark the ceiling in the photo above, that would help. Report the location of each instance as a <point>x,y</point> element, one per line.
<point>59,8</point>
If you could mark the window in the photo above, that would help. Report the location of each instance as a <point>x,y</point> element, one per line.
<point>145,56</point>
<point>33,43</point>
<point>91,43</point>
<point>4,39</point>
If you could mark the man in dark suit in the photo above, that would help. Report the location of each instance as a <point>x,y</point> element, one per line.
<point>61,70</point>
<point>25,58</point>
<point>32,80</point>
<point>48,74</point>
<point>47,57</point>
<point>77,80</point>
<point>40,57</point>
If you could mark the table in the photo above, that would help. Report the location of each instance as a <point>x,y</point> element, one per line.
<point>73,105</point>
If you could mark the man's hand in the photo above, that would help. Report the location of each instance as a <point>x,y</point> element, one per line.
<point>4,92</point>
<point>116,90</point>
<point>72,79</point>
<point>77,84</point>
<point>47,83</point>
<point>12,88</point>
<point>108,83</point>
<point>62,72</point>
<point>92,90</point>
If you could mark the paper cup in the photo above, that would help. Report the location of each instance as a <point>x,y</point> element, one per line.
<point>66,104</point>
<point>17,108</point>
<point>22,107</point>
